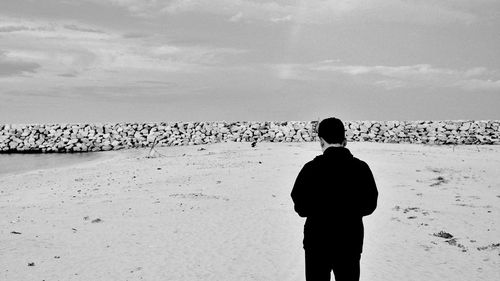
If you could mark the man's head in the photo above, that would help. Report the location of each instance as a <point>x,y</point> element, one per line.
<point>331,131</point>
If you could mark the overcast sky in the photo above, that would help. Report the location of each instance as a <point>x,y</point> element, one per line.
<point>194,60</point>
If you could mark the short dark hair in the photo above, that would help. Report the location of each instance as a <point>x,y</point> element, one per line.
<point>331,130</point>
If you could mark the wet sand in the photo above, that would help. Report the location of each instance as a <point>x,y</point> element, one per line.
<point>16,163</point>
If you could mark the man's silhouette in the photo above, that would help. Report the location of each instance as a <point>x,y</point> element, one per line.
<point>334,191</point>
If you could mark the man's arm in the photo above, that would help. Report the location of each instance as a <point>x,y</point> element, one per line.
<point>369,194</point>
<point>299,192</point>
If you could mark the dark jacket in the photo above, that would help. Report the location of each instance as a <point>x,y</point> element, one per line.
<point>334,191</point>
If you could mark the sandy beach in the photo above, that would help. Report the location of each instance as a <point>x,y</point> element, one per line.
<point>223,212</point>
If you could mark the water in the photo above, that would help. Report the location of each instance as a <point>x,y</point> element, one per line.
<point>19,163</point>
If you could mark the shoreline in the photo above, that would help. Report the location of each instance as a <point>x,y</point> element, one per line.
<point>20,163</point>
<point>88,157</point>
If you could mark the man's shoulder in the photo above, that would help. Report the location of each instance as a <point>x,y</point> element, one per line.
<point>360,163</point>
<point>311,164</point>
<point>321,157</point>
<point>320,160</point>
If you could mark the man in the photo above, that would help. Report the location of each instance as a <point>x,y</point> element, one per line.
<point>334,191</point>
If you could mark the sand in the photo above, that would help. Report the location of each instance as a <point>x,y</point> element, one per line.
<point>223,212</point>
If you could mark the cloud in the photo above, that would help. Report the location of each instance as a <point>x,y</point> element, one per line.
<point>72,47</point>
<point>69,74</point>
<point>237,17</point>
<point>49,29</point>
<point>287,71</point>
<point>390,84</point>
<point>165,50</point>
<point>78,55</point>
<point>479,85</point>
<point>424,12</point>
<point>282,19</point>
<point>143,8</point>
<point>16,67</point>
<point>203,55</point>
<point>389,71</point>
<point>133,35</point>
<point>12,28</point>
<point>396,77</point>
<point>81,29</point>
<point>476,71</point>
<point>321,11</point>
<point>403,11</point>
<point>262,10</point>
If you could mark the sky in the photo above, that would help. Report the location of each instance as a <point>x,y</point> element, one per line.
<point>255,60</point>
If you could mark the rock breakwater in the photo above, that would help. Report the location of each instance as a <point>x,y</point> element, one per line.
<point>103,137</point>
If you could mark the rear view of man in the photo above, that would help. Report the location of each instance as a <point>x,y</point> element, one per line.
<point>334,191</point>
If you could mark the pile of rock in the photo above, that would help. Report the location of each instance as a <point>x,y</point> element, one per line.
<point>102,137</point>
<point>427,132</point>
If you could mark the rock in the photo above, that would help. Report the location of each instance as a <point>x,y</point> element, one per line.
<point>450,127</point>
<point>151,137</point>
<point>443,234</point>
<point>465,126</point>
<point>13,145</point>
<point>81,137</point>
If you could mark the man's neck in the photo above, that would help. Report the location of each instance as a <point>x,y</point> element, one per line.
<point>332,145</point>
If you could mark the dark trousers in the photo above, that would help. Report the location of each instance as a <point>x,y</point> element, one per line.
<point>319,265</point>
